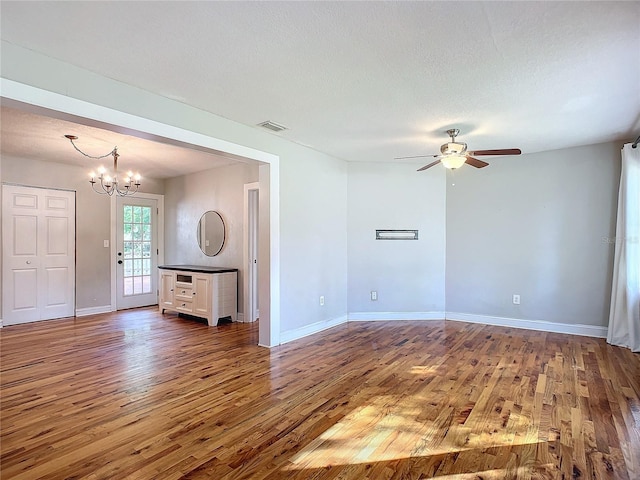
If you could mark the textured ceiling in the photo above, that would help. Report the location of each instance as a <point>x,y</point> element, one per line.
<point>39,137</point>
<point>367,80</point>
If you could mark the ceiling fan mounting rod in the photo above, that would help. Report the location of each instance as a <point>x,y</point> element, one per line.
<point>453,133</point>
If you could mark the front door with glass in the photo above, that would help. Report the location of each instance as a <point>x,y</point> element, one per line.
<point>137,258</point>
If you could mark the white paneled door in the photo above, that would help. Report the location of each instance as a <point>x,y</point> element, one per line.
<point>137,252</point>
<point>38,254</point>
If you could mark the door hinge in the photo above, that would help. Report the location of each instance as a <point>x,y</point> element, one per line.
<point>157,251</point>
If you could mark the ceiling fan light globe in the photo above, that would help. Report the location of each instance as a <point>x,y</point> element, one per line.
<point>453,161</point>
<point>453,148</point>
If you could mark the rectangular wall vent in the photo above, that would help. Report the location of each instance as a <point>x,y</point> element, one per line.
<point>273,126</point>
<point>396,234</point>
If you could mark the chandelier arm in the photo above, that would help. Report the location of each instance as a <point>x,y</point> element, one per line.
<point>128,190</point>
<point>104,190</point>
<point>122,193</point>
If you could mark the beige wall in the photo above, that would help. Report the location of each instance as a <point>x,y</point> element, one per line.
<point>93,267</point>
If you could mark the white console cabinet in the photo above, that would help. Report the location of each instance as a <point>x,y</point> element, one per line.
<point>206,292</point>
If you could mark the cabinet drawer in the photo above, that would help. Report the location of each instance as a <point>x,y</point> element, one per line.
<point>183,293</point>
<point>184,306</point>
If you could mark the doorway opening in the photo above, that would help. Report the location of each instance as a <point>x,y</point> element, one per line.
<point>251,251</point>
<point>56,105</point>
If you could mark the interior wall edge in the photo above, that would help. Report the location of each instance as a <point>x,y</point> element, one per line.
<point>305,331</point>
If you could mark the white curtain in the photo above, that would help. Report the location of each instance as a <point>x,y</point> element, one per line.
<point>624,316</point>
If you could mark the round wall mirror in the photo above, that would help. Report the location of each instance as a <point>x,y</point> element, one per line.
<point>211,233</point>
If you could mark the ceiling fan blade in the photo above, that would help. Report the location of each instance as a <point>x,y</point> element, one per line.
<point>503,151</point>
<point>474,162</point>
<point>429,166</point>
<point>416,156</point>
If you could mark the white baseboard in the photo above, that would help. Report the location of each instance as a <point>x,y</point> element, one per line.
<point>83,312</point>
<point>385,316</point>
<point>301,332</point>
<point>539,325</point>
<point>240,317</point>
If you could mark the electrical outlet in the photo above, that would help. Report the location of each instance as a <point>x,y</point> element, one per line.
<point>374,295</point>
<point>321,300</point>
<point>516,299</point>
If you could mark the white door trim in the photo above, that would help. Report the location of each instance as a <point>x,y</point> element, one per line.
<point>247,307</point>
<point>49,103</point>
<point>113,251</point>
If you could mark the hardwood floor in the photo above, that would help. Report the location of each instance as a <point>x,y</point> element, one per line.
<point>143,396</point>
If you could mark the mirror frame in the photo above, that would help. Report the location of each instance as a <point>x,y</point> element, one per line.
<point>224,233</point>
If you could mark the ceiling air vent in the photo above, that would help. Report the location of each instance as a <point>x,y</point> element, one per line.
<point>274,127</point>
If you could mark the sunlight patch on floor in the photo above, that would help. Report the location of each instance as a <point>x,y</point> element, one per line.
<point>425,369</point>
<point>393,428</point>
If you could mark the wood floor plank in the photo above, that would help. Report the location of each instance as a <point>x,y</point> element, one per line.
<point>139,395</point>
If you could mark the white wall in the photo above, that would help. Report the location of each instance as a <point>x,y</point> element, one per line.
<point>408,275</point>
<point>93,262</point>
<point>537,226</point>
<point>188,197</point>
<point>314,249</point>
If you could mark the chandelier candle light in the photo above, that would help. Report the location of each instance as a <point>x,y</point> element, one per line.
<point>109,181</point>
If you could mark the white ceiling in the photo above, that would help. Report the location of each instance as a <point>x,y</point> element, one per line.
<point>365,81</point>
